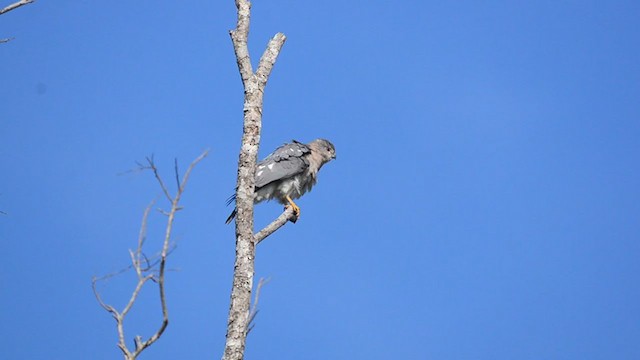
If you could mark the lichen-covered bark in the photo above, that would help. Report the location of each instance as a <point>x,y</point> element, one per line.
<point>254,84</point>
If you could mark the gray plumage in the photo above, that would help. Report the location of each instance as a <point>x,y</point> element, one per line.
<point>290,171</point>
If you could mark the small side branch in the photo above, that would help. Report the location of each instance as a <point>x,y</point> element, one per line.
<point>287,215</point>
<point>15,5</point>
<point>254,307</point>
<point>151,165</point>
<point>269,57</point>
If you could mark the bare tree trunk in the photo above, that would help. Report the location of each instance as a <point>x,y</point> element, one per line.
<point>254,85</point>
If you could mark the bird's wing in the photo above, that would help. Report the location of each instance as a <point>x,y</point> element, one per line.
<point>286,161</point>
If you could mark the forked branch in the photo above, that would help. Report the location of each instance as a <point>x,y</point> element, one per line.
<point>147,269</point>
<point>254,84</point>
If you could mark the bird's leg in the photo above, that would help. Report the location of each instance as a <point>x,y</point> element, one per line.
<point>296,209</point>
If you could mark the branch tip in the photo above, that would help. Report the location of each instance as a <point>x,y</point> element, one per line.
<point>144,267</point>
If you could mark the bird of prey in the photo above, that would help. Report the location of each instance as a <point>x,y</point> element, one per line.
<point>289,172</point>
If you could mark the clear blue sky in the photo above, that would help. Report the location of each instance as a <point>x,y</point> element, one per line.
<point>485,203</point>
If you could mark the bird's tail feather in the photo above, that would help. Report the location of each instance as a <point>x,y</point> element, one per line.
<point>231,216</point>
<point>230,200</point>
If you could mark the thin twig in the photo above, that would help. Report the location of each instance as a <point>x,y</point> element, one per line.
<point>151,263</point>
<point>195,162</point>
<point>145,268</point>
<point>138,169</point>
<point>15,6</point>
<point>256,298</point>
<point>153,168</point>
<point>107,307</point>
<point>142,235</point>
<point>140,346</point>
<point>175,167</point>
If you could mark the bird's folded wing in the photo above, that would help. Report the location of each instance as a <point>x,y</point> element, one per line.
<point>286,161</point>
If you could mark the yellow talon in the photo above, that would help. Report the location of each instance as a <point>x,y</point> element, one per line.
<point>296,208</point>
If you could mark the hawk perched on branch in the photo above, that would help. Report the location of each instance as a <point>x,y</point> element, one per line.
<point>289,172</point>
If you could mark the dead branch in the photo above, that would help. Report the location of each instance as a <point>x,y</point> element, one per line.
<point>254,307</point>
<point>145,268</point>
<point>15,5</point>
<point>151,165</point>
<point>287,215</point>
<point>254,85</point>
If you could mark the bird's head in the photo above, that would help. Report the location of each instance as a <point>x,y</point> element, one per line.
<point>324,148</point>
